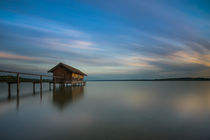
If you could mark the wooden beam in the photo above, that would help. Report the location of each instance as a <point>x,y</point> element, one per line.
<point>26,73</point>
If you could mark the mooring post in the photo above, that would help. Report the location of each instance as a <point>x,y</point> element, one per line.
<point>9,90</point>
<point>18,83</point>
<point>40,83</point>
<point>34,87</point>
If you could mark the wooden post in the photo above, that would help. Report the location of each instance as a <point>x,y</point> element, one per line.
<point>18,83</point>
<point>40,83</point>
<point>34,87</point>
<point>9,90</point>
<point>18,89</point>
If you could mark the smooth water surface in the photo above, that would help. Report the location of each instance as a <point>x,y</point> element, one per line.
<point>108,111</point>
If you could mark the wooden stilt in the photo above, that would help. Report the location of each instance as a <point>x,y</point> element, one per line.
<point>40,88</point>
<point>18,83</point>
<point>17,102</point>
<point>18,89</point>
<point>54,83</point>
<point>9,90</point>
<point>40,83</point>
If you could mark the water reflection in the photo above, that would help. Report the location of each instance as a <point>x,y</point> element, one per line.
<point>110,110</point>
<point>63,96</point>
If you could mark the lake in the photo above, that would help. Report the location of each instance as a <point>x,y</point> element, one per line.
<point>126,110</point>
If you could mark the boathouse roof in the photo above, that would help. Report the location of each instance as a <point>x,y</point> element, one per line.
<point>68,68</point>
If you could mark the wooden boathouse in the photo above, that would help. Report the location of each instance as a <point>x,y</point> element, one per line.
<point>68,74</point>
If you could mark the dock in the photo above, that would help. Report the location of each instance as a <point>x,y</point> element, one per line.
<point>55,80</point>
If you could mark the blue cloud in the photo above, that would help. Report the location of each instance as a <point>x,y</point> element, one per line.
<point>108,39</point>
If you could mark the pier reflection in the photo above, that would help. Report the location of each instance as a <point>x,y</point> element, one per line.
<point>64,96</point>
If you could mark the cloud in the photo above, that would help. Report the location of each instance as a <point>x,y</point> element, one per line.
<point>65,45</point>
<point>191,58</point>
<point>42,25</point>
<point>12,58</point>
<point>19,57</point>
<point>110,38</point>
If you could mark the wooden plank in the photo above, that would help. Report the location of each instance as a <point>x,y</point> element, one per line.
<point>23,73</point>
<point>15,82</point>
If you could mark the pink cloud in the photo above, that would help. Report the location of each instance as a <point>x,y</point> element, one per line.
<point>14,56</point>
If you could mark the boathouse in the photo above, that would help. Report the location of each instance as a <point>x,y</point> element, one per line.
<point>67,74</point>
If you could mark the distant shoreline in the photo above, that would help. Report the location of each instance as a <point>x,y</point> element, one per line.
<point>14,78</point>
<point>167,79</point>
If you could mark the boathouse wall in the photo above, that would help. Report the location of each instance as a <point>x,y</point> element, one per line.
<point>62,72</point>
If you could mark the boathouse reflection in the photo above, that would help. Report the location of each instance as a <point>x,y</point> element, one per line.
<point>64,96</point>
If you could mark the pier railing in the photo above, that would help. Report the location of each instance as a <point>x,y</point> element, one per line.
<point>18,80</point>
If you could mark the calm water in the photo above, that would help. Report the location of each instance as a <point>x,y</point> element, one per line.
<point>108,111</point>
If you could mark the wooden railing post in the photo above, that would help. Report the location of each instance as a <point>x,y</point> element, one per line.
<point>18,83</point>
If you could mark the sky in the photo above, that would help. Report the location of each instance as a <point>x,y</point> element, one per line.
<point>107,39</point>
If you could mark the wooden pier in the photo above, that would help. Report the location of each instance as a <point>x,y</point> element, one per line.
<point>56,80</point>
